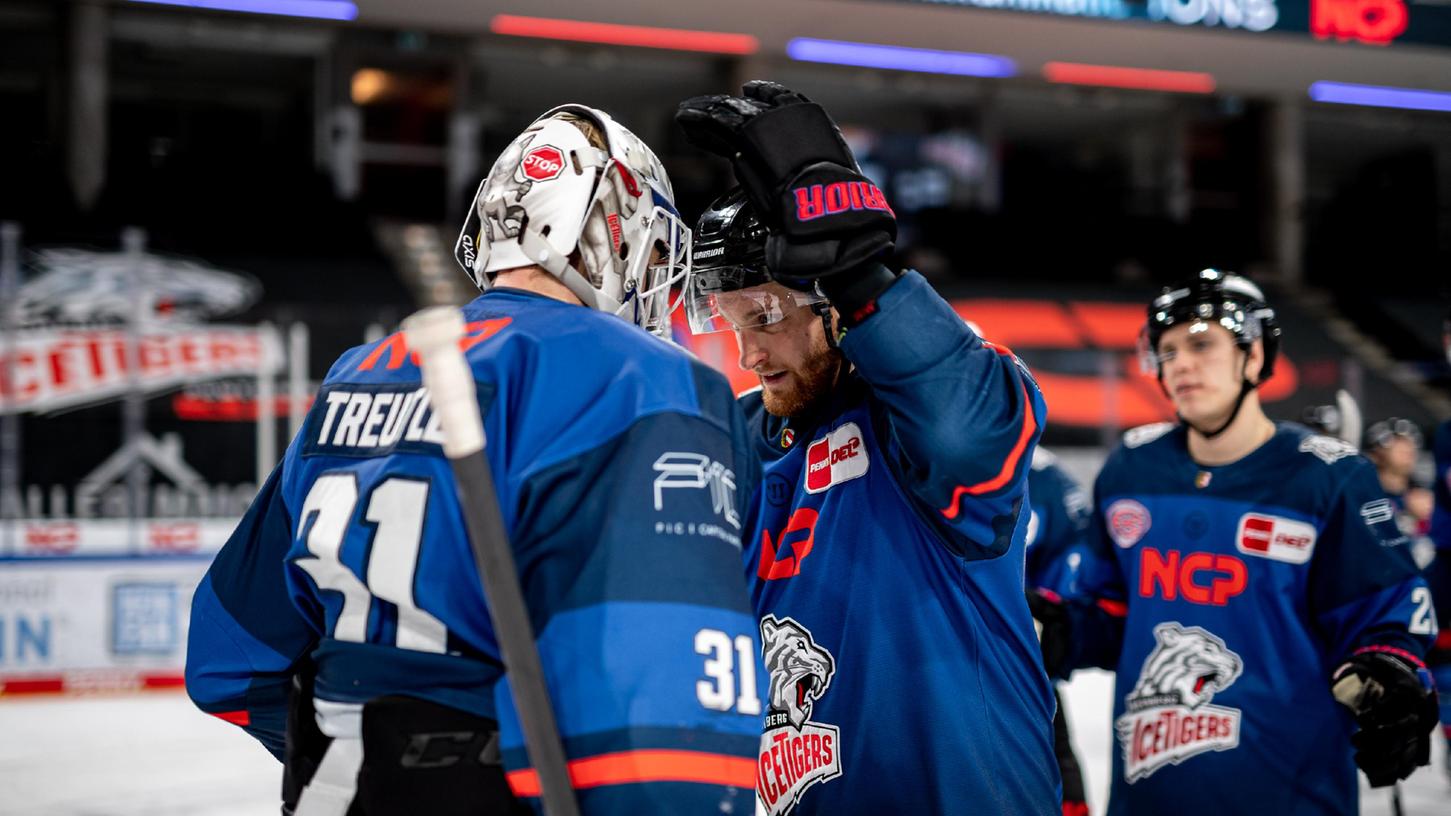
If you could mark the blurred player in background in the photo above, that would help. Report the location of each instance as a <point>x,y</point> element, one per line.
<point>1247,581</point>
<point>886,562</point>
<point>1341,420</point>
<point>1393,445</point>
<point>1057,534</point>
<point>623,476</point>
<point>1438,574</point>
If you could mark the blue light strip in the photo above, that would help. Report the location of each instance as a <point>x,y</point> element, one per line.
<point>1345,93</point>
<point>318,9</point>
<point>898,58</point>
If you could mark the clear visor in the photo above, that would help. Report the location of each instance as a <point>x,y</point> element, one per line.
<point>755,307</point>
<point>1152,358</point>
<point>653,276</point>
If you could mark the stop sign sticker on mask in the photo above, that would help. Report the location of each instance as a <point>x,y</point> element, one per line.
<point>543,163</point>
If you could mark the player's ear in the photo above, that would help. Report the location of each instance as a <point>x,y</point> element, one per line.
<point>1255,362</point>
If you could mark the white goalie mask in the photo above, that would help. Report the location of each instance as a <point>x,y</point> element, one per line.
<point>551,192</point>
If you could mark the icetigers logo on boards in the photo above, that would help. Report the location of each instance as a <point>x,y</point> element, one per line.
<point>1168,716</point>
<point>796,752</point>
<point>838,457</point>
<point>543,163</point>
<point>1275,537</point>
<point>1128,522</point>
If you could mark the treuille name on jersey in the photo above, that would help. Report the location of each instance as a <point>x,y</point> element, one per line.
<point>372,420</point>
<point>1169,717</point>
<point>796,753</point>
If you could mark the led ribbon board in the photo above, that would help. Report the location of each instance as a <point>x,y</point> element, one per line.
<point>1367,22</point>
<point>317,9</point>
<point>897,58</point>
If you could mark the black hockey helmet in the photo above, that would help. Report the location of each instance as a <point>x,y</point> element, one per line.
<point>1380,434</point>
<point>729,246</point>
<point>1212,296</point>
<point>728,255</point>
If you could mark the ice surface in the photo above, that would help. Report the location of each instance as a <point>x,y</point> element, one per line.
<point>154,754</point>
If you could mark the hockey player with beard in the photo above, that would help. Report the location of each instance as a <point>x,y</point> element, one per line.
<point>886,561</point>
<point>1248,582</point>
<point>343,623</point>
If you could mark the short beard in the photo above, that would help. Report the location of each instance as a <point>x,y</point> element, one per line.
<point>815,379</point>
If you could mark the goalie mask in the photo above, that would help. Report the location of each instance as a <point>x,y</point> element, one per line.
<point>553,195</point>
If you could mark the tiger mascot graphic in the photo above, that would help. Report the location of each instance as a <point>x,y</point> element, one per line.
<point>800,670</point>
<point>1187,667</point>
<point>796,751</point>
<point>1168,715</point>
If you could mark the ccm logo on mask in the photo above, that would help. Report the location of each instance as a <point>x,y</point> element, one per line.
<point>838,457</point>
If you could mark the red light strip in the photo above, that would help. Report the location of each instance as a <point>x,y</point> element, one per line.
<point>674,39</point>
<point>1148,79</point>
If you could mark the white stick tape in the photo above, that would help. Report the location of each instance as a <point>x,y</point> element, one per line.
<point>434,334</point>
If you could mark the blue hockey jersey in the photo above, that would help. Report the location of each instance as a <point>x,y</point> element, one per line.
<point>1441,516</point>
<point>1243,587</point>
<point>624,476</point>
<point>1059,526</point>
<point>1438,575</point>
<point>886,565</point>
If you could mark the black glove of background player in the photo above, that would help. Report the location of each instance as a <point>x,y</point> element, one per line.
<point>1395,706</point>
<point>828,224</point>
<point>1055,630</point>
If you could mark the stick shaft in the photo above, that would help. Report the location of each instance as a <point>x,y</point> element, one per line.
<point>435,334</point>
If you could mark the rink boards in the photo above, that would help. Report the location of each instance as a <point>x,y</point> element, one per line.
<point>99,605</point>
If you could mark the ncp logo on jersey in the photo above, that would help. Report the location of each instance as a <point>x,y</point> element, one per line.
<point>1275,537</point>
<point>838,457</point>
<point>680,470</point>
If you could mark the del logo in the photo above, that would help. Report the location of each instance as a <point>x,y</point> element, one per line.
<point>1275,537</point>
<point>1169,717</point>
<point>543,163</point>
<point>796,753</point>
<point>838,457</point>
<point>1128,521</point>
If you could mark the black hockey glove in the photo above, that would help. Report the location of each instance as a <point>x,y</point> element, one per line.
<point>1394,704</point>
<point>827,222</point>
<point>1055,630</point>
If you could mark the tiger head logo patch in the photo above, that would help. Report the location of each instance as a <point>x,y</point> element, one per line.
<point>1169,717</point>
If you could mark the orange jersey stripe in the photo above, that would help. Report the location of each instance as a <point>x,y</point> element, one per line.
<point>1010,465</point>
<point>242,717</point>
<point>1118,609</point>
<point>633,767</point>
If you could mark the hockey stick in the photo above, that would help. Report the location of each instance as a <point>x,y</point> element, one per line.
<point>435,334</point>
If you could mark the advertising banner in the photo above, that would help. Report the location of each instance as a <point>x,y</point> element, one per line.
<point>78,624</point>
